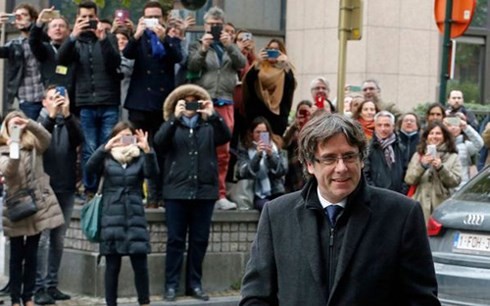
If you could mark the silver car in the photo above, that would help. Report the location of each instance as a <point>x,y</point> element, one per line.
<point>459,234</point>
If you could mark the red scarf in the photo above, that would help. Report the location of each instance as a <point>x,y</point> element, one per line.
<point>367,127</point>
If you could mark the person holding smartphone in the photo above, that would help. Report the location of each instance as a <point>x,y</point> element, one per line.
<point>66,136</point>
<point>468,142</point>
<point>435,168</point>
<point>94,54</point>
<point>213,64</point>
<point>268,87</point>
<point>24,74</point>
<point>155,51</point>
<point>33,140</point>
<point>260,159</point>
<point>125,160</point>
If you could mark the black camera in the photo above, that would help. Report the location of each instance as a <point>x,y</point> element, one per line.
<point>192,105</point>
<point>92,24</point>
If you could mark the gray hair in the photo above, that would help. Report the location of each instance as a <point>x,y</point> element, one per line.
<point>384,113</point>
<point>323,126</point>
<point>372,81</point>
<point>214,13</point>
<point>322,80</point>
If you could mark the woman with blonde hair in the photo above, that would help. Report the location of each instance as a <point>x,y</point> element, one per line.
<point>268,87</point>
<point>18,170</point>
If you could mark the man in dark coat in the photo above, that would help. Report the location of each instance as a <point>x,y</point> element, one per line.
<point>386,164</point>
<point>155,53</point>
<point>339,241</point>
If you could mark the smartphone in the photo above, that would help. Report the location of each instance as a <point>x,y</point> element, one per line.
<point>454,121</point>
<point>247,36</point>
<point>192,105</point>
<point>151,22</point>
<point>92,24</point>
<point>52,14</point>
<point>128,139</point>
<point>432,150</point>
<point>61,90</point>
<point>264,137</point>
<point>123,15</point>
<point>320,101</point>
<point>272,53</point>
<point>216,31</point>
<point>174,14</point>
<point>14,133</point>
<point>11,18</point>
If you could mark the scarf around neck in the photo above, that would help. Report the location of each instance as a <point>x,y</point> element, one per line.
<point>386,146</point>
<point>157,48</point>
<point>270,85</point>
<point>367,127</point>
<point>126,154</point>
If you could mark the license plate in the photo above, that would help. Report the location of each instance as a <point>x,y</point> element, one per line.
<point>471,243</point>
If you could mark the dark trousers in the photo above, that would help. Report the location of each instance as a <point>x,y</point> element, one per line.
<point>23,257</point>
<point>139,262</point>
<point>150,122</point>
<point>182,216</point>
<point>51,245</point>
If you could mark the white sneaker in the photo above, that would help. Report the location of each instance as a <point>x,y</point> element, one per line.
<point>225,204</point>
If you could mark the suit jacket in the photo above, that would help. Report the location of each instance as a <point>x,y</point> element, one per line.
<point>381,256</point>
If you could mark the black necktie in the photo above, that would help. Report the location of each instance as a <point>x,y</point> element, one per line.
<point>332,212</point>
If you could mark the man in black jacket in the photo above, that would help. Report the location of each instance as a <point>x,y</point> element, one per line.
<point>66,135</point>
<point>58,29</point>
<point>386,165</point>
<point>98,83</point>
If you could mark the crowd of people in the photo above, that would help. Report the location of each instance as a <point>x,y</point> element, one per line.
<point>187,120</point>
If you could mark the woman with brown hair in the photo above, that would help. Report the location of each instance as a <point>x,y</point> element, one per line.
<point>18,171</point>
<point>124,161</point>
<point>435,168</point>
<point>268,87</point>
<point>365,116</point>
<point>260,159</point>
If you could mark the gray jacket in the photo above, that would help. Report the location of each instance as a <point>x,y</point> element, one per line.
<point>219,79</point>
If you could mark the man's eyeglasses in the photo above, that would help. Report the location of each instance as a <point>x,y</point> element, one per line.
<point>348,158</point>
<point>319,88</point>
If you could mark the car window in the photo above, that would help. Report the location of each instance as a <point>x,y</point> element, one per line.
<point>477,190</point>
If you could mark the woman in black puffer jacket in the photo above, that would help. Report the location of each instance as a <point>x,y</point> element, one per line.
<point>125,161</point>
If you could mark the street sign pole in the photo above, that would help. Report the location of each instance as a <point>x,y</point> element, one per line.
<point>446,47</point>
<point>350,28</point>
<point>342,56</point>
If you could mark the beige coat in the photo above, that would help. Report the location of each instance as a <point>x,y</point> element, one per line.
<point>49,213</point>
<point>433,187</point>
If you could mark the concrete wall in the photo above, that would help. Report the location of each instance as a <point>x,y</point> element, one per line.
<point>229,244</point>
<point>399,48</point>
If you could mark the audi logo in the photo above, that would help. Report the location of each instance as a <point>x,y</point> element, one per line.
<point>474,219</point>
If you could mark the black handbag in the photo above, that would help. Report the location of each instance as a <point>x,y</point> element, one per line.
<point>22,204</point>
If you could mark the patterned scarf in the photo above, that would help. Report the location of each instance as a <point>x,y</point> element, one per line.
<point>386,145</point>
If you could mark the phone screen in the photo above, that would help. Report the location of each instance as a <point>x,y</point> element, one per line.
<point>264,137</point>
<point>128,139</point>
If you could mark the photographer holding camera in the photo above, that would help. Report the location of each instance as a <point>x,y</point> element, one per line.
<point>98,83</point>
<point>188,139</point>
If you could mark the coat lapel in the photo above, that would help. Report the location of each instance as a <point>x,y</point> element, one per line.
<point>356,224</point>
